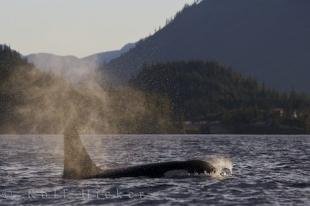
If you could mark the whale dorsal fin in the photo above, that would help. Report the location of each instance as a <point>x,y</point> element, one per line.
<point>77,162</point>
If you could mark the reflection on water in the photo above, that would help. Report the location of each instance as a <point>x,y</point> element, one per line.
<point>267,170</point>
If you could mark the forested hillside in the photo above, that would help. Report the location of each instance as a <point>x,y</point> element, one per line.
<point>266,39</point>
<point>208,92</point>
<point>33,101</point>
<point>175,97</point>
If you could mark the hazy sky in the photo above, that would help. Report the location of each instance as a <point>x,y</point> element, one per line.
<point>80,27</point>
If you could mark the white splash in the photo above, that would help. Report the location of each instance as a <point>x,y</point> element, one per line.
<point>223,166</point>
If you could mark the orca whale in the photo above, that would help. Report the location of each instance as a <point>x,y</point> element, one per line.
<point>79,165</point>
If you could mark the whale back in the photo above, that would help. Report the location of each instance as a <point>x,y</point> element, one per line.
<point>77,162</point>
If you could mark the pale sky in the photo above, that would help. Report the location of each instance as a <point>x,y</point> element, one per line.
<point>80,27</point>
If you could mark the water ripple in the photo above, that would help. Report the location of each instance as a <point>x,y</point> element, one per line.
<point>268,170</point>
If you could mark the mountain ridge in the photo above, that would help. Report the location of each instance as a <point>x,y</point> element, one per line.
<point>106,57</point>
<point>71,66</point>
<point>268,40</point>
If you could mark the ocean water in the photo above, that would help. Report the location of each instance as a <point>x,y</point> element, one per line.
<point>267,170</point>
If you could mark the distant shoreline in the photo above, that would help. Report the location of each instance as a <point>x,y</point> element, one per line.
<point>159,134</point>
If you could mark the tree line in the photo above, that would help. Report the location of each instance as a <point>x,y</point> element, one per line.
<point>173,97</point>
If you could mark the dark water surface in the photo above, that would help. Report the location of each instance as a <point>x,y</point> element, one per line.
<point>268,170</point>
